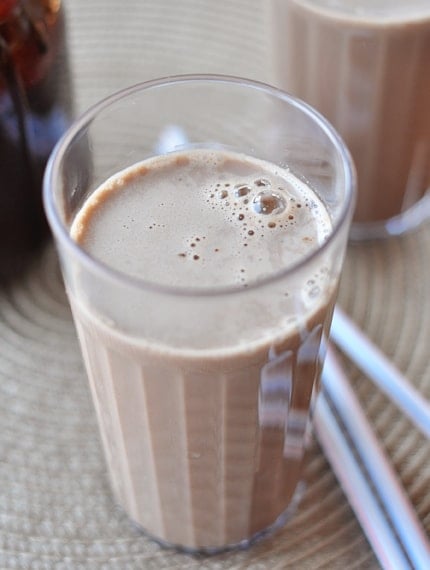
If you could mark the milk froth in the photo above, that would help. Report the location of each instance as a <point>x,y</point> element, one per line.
<point>201,219</point>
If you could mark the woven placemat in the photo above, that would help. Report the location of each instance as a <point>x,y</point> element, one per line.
<point>56,510</point>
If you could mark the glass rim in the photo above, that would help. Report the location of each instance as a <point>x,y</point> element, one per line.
<point>61,233</point>
<point>366,16</point>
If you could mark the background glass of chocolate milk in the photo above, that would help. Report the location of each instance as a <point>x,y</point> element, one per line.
<point>364,64</point>
<point>203,337</point>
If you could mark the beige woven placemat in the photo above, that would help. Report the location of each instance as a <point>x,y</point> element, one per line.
<point>56,511</point>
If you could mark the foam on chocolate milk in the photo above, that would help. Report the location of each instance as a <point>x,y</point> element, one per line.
<point>201,218</point>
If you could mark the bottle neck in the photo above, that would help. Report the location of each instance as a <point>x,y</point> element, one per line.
<point>27,32</point>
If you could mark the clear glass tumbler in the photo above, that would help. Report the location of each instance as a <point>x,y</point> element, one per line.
<point>364,64</point>
<point>203,393</point>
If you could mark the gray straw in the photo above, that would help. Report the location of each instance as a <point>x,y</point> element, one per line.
<point>375,466</point>
<point>376,366</point>
<point>357,489</point>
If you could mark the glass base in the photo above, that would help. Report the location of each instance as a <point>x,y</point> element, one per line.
<point>404,223</point>
<point>283,518</point>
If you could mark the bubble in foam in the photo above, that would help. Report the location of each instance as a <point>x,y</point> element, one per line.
<point>241,190</point>
<point>314,292</point>
<point>267,202</point>
<point>262,182</point>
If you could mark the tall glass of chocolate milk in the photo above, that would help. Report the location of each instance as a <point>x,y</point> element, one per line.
<point>364,64</point>
<point>201,223</point>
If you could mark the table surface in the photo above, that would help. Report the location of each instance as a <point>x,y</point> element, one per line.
<point>56,510</point>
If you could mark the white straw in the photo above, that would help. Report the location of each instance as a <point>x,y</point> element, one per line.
<point>375,364</point>
<point>378,467</point>
<point>357,490</point>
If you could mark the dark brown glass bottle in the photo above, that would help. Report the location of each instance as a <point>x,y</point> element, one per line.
<point>35,109</point>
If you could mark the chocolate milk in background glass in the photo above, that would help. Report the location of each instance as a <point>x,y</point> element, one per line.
<point>205,438</point>
<point>365,64</point>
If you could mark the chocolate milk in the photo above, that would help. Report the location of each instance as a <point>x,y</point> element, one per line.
<point>204,431</point>
<point>364,64</point>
